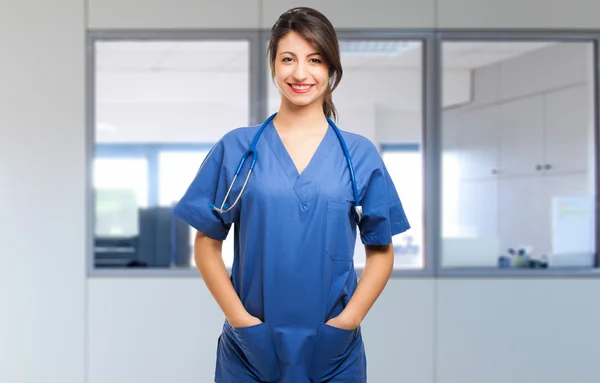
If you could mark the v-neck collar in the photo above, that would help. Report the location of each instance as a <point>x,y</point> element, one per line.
<point>300,181</point>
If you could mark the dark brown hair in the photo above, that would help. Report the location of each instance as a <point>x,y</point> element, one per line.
<point>315,28</point>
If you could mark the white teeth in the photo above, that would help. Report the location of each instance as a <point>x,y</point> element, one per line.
<point>301,87</point>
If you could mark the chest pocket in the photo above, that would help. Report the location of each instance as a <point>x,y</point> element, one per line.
<point>340,231</point>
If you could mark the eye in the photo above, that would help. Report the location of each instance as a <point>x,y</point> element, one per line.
<point>286,59</point>
<point>316,61</point>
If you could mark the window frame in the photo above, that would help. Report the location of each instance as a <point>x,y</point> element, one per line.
<point>428,106</point>
<point>256,89</point>
<point>432,129</point>
<point>519,36</point>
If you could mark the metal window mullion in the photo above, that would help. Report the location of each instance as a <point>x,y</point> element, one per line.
<point>90,142</point>
<point>596,138</point>
<point>432,155</point>
<point>257,86</point>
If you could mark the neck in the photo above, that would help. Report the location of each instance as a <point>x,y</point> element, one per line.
<point>292,117</point>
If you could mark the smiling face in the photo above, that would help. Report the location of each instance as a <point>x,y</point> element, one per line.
<point>300,72</point>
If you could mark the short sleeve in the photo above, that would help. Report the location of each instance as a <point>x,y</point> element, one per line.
<point>383,214</point>
<point>208,187</point>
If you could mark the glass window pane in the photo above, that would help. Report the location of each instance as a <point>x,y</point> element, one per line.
<point>405,163</point>
<point>120,190</point>
<point>380,97</point>
<point>176,170</point>
<point>167,103</point>
<point>519,156</point>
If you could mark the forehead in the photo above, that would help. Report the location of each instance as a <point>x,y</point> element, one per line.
<point>295,43</point>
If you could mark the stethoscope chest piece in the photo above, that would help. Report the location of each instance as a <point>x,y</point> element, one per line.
<point>357,213</point>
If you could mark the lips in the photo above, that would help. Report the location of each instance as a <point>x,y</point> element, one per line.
<point>301,88</point>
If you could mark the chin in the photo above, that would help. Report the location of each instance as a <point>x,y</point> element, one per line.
<point>299,102</point>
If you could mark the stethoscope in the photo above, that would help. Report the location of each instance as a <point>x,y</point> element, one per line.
<point>356,210</point>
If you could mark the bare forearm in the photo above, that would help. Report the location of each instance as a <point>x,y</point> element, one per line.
<point>378,268</point>
<point>209,262</point>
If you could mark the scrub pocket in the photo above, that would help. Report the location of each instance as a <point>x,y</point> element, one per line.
<point>332,348</point>
<point>340,231</point>
<point>257,346</point>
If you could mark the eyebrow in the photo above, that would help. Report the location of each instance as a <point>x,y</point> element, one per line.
<point>293,54</point>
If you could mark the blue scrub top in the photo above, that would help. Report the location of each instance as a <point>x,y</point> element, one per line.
<point>294,239</point>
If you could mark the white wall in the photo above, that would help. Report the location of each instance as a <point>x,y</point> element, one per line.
<point>424,331</point>
<point>531,14</point>
<point>42,172</point>
<point>57,325</point>
<point>498,331</point>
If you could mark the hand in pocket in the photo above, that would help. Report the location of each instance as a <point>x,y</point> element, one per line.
<point>255,345</point>
<point>331,356</point>
<point>342,323</point>
<point>247,321</point>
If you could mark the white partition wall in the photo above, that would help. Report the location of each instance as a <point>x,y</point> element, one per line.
<point>498,331</point>
<point>355,14</point>
<point>42,173</point>
<point>173,14</point>
<point>515,14</point>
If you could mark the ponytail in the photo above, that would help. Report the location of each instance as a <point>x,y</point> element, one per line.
<point>328,106</point>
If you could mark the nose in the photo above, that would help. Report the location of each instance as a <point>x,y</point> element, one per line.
<point>300,72</point>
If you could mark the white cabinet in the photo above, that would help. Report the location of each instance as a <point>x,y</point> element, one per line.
<point>542,134</point>
<point>521,126</point>
<point>478,144</point>
<point>514,158</point>
<point>547,133</point>
<point>567,130</point>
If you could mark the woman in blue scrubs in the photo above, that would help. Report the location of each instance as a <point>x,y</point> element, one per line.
<point>293,305</point>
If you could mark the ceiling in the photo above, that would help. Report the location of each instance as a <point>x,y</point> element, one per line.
<point>471,55</point>
<point>228,56</point>
<point>179,56</point>
<point>178,91</point>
